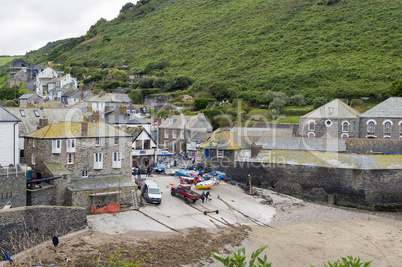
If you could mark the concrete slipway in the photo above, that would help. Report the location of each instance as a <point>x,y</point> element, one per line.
<point>175,215</point>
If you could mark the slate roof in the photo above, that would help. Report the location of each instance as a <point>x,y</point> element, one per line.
<point>6,116</point>
<point>57,169</point>
<point>113,97</point>
<point>226,140</point>
<point>253,131</point>
<point>66,129</point>
<point>390,108</point>
<point>201,137</point>
<point>188,122</point>
<point>334,109</point>
<point>326,159</point>
<point>30,122</point>
<point>117,117</point>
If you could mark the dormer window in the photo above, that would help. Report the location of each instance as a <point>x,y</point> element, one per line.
<point>36,112</point>
<point>22,113</point>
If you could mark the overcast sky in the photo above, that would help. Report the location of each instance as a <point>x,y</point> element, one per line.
<point>27,25</point>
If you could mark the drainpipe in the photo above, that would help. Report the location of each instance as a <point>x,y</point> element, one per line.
<point>14,143</point>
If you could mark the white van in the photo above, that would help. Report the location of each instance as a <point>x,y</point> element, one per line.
<point>151,192</point>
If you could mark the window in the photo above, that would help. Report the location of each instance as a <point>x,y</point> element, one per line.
<point>33,142</point>
<point>371,126</point>
<point>147,144</point>
<point>166,134</point>
<point>181,134</point>
<point>345,126</point>
<point>311,134</point>
<point>33,159</point>
<point>220,153</point>
<point>70,158</point>
<point>174,134</point>
<point>71,145</point>
<point>116,140</point>
<point>344,135</point>
<point>116,160</point>
<point>174,147</point>
<point>138,144</point>
<point>387,126</point>
<point>97,141</point>
<point>166,145</point>
<point>56,146</point>
<point>328,123</point>
<point>98,160</point>
<point>84,173</point>
<point>311,125</point>
<point>36,112</point>
<point>400,127</point>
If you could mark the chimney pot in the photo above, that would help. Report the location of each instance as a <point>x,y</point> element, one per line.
<point>84,128</point>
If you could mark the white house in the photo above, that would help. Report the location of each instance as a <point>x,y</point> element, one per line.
<point>9,150</point>
<point>57,87</point>
<point>42,80</point>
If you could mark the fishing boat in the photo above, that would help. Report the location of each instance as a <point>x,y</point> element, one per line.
<point>219,175</point>
<point>205,184</point>
<point>186,173</point>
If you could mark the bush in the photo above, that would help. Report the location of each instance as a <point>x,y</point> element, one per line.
<point>156,66</point>
<point>298,100</point>
<point>214,116</point>
<point>136,97</point>
<point>106,38</point>
<point>178,83</point>
<point>201,103</point>
<point>319,101</point>
<point>146,83</point>
<point>159,83</point>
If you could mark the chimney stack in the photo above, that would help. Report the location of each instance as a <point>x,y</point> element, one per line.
<point>84,128</point>
<point>255,149</point>
<point>43,122</point>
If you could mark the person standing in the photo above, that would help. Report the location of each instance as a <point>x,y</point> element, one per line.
<point>207,195</point>
<point>203,197</point>
<point>55,241</point>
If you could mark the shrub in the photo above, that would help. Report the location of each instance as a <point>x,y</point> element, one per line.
<point>239,258</point>
<point>106,38</point>
<point>298,100</point>
<point>178,83</point>
<point>201,103</point>
<point>146,83</point>
<point>319,101</point>
<point>136,96</point>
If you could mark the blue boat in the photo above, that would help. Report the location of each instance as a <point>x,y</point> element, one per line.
<point>219,175</point>
<point>186,173</point>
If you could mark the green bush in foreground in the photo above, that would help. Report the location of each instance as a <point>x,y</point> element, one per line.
<point>239,260</point>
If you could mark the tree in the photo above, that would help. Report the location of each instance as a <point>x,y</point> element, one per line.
<point>146,83</point>
<point>136,96</point>
<point>178,83</point>
<point>126,7</point>
<point>159,83</point>
<point>319,101</point>
<point>298,100</point>
<point>395,88</point>
<point>106,38</point>
<point>120,75</point>
<point>201,103</point>
<point>277,104</point>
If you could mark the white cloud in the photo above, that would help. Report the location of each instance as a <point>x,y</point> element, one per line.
<point>28,25</point>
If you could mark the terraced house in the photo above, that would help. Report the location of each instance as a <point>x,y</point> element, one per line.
<point>178,130</point>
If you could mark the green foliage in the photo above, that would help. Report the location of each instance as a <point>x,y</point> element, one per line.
<point>146,83</point>
<point>126,7</point>
<point>215,117</point>
<point>160,65</point>
<point>277,104</point>
<point>136,96</point>
<point>159,83</point>
<point>94,78</point>
<point>201,103</point>
<point>106,38</point>
<point>298,100</point>
<point>319,101</point>
<point>348,261</point>
<point>9,93</point>
<point>116,260</point>
<point>326,48</point>
<point>239,259</point>
<point>178,83</point>
<point>120,75</point>
<point>395,88</point>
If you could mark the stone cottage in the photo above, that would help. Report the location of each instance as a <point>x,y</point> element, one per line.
<point>89,157</point>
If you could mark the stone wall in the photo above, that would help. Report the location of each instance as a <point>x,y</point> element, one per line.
<point>22,228</point>
<point>12,188</point>
<point>373,145</point>
<point>41,196</point>
<point>351,187</point>
<point>86,198</point>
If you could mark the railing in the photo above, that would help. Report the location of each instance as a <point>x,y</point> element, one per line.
<point>12,170</point>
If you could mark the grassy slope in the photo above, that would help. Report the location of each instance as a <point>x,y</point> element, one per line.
<point>282,45</point>
<point>6,60</point>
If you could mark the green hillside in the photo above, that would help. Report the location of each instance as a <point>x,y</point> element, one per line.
<point>242,48</point>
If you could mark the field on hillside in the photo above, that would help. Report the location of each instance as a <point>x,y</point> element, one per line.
<point>5,60</point>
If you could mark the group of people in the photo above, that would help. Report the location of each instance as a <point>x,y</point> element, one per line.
<point>205,196</point>
<point>137,171</point>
